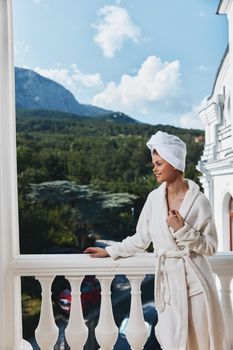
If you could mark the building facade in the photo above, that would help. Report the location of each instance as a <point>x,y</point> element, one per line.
<point>216,163</point>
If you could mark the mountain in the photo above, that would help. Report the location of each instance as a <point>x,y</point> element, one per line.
<point>34,91</point>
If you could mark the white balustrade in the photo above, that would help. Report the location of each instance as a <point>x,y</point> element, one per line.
<point>136,331</point>
<point>47,332</point>
<point>74,267</point>
<point>25,345</point>
<point>76,332</point>
<point>225,291</point>
<point>222,266</point>
<point>106,331</point>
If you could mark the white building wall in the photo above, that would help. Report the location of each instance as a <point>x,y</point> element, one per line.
<point>223,190</point>
<point>217,160</point>
<point>230,31</point>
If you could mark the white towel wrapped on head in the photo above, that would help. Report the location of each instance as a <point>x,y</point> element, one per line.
<point>170,147</point>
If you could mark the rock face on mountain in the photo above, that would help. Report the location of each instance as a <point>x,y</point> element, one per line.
<point>34,91</point>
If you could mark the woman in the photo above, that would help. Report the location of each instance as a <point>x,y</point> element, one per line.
<point>177,218</point>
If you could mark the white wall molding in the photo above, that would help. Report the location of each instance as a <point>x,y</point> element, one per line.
<point>10,303</point>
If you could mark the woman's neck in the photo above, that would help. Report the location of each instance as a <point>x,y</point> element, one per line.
<point>179,185</point>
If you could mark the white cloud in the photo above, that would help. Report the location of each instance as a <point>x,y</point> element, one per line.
<point>155,82</point>
<point>71,78</point>
<point>153,94</point>
<point>20,47</point>
<point>60,75</point>
<point>44,4</point>
<point>144,111</point>
<point>191,119</point>
<point>202,14</point>
<point>88,80</point>
<point>205,68</point>
<point>114,29</point>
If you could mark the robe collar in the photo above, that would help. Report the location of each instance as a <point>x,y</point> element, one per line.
<point>189,198</point>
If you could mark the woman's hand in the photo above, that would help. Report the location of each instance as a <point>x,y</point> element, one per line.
<point>96,252</point>
<point>175,220</point>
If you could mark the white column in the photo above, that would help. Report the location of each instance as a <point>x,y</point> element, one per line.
<point>76,332</point>
<point>230,31</point>
<point>136,331</point>
<point>10,292</point>
<point>106,331</point>
<point>46,333</point>
<point>225,282</point>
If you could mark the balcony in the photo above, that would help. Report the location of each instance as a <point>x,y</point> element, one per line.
<point>74,267</point>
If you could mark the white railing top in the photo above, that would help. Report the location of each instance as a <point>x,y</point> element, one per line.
<point>82,264</point>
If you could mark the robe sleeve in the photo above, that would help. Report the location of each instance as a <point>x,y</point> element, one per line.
<point>136,243</point>
<point>202,236</point>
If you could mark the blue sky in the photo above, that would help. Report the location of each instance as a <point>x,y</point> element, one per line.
<point>153,60</point>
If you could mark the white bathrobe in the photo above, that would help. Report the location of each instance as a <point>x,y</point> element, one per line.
<point>187,246</point>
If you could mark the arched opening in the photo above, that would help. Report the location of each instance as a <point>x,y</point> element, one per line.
<point>229,108</point>
<point>231,223</point>
<point>226,222</point>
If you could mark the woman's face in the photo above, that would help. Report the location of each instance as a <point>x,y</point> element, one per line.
<point>162,170</point>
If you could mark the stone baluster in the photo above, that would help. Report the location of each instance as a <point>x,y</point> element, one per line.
<point>136,330</point>
<point>106,331</point>
<point>47,332</point>
<point>226,303</point>
<point>25,345</point>
<point>76,332</point>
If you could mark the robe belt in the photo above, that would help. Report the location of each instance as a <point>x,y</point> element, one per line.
<point>162,292</point>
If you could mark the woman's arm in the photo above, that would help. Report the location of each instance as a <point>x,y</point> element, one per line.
<point>132,244</point>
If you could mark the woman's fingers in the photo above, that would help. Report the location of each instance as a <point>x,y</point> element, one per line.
<point>94,255</point>
<point>90,250</point>
<point>175,220</point>
<point>178,214</point>
<point>174,214</point>
<point>96,252</point>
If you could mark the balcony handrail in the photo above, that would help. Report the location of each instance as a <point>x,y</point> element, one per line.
<point>63,264</point>
<point>76,264</point>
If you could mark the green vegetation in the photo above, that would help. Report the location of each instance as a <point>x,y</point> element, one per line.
<point>30,312</point>
<point>106,154</point>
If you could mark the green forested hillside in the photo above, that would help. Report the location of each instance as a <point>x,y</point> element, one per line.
<point>106,154</point>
